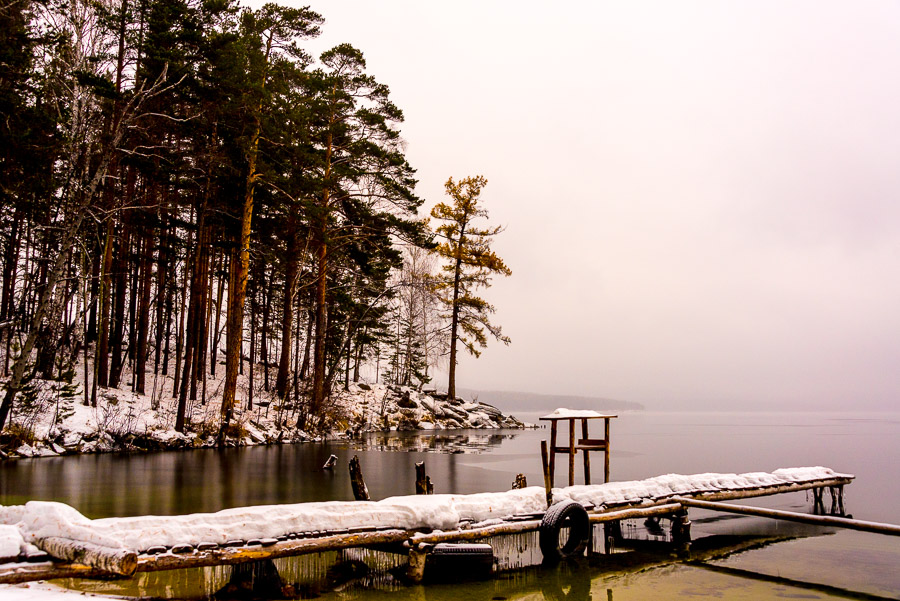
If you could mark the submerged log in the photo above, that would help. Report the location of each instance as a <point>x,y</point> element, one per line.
<point>360,490</point>
<point>113,560</point>
<point>332,461</point>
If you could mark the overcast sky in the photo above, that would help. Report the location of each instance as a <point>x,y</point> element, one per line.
<point>701,198</point>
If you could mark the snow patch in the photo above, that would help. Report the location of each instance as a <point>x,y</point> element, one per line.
<point>38,519</point>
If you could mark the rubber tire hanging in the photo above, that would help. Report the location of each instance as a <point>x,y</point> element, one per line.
<point>561,515</point>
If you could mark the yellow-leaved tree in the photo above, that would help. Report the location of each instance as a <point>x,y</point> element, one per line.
<point>468,265</point>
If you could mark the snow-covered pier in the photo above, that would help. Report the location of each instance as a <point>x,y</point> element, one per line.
<point>43,540</point>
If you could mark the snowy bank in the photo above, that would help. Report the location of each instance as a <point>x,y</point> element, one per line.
<point>56,421</point>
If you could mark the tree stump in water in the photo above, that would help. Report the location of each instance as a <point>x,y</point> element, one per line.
<point>423,482</point>
<point>520,482</point>
<point>360,491</point>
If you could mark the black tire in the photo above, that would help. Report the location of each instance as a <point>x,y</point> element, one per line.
<point>565,514</point>
<point>452,562</point>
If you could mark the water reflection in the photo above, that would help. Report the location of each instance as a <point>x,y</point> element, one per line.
<point>203,480</point>
<point>643,445</point>
<point>469,441</point>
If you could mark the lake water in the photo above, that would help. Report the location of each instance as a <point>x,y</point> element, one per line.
<point>805,562</point>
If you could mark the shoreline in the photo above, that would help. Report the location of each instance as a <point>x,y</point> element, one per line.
<point>61,425</point>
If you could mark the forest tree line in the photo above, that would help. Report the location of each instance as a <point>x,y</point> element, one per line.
<point>185,192</point>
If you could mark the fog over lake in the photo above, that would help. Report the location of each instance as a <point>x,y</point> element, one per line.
<point>700,198</point>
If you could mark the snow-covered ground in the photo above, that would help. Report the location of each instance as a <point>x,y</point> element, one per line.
<point>41,591</point>
<point>56,421</point>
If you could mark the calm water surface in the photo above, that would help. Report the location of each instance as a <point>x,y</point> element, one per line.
<point>812,563</point>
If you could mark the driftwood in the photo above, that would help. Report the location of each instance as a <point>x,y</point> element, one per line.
<point>423,482</point>
<point>360,490</point>
<point>332,461</point>
<point>108,559</point>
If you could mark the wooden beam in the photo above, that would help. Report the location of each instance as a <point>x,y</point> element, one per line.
<point>793,516</point>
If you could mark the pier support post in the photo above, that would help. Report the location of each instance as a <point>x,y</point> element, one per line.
<point>818,504</point>
<point>612,535</point>
<point>837,500</point>
<point>415,569</point>
<point>681,529</point>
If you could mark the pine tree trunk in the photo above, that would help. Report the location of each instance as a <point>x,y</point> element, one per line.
<point>263,338</point>
<point>143,325</point>
<point>318,397</point>
<point>214,351</point>
<point>102,354</point>
<point>287,321</point>
<point>120,275</point>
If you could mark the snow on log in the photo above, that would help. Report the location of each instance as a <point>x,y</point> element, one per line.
<point>664,487</point>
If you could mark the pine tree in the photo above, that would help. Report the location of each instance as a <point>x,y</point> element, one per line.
<point>470,265</point>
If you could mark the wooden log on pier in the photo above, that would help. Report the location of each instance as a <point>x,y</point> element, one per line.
<point>111,560</point>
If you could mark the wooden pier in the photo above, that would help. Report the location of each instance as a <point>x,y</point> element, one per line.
<point>672,497</point>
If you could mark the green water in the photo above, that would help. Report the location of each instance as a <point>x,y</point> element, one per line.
<point>778,560</point>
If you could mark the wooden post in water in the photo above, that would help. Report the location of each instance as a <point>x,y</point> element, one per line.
<point>520,482</point>
<point>423,482</point>
<point>606,450</point>
<point>360,490</point>
<point>587,455</point>
<point>545,465</point>
<point>553,452</point>
<point>572,452</point>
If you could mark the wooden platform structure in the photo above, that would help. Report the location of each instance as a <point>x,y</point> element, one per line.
<point>416,544</point>
<point>586,445</point>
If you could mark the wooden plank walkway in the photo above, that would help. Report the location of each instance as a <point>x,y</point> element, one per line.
<point>306,543</point>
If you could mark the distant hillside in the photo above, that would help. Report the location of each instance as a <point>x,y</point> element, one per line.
<point>510,401</point>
